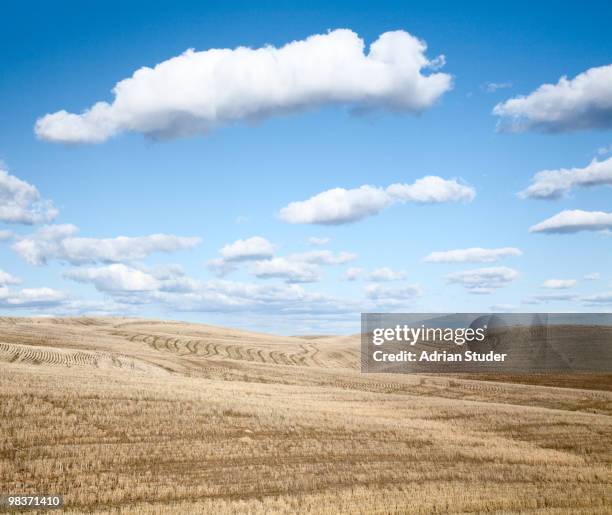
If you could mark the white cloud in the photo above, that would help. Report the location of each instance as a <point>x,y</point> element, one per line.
<point>6,235</point>
<point>31,298</point>
<point>431,190</point>
<point>292,271</point>
<point>170,288</point>
<point>339,205</point>
<point>324,257</point>
<point>551,297</point>
<point>6,279</point>
<point>122,278</point>
<point>492,87</point>
<point>602,151</point>
<point>352,274</point>
<point>472,255</point>
<point>198,91</point>
<point>220,267</point>
<point>382,293</point>
<point>504,308</point>
<point>384,274</point>
<point>249,249</point>
<point>381,274</point>
<point>600,298</point>
<point>298,267</point>
<point>59,242</point>
<point>280,300</point>
<point>317,242</point>
<point>21,203</point>
<point>301,267</point>
<point>576,220</point>
<point>581,103</point>
<point>559,284</point>
<point>554,184</point>
<point>116,277</point>
<point>336,206</point>
<point>483,280</point>
<point>592,276</point>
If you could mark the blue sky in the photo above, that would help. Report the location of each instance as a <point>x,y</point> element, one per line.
<point>232,182</point>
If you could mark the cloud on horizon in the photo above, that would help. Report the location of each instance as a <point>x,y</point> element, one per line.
<point>132,286</point>
<point>598,299</point>
<point>304,267</point>
<point>31,298</point>
<point>559,284</point>
<point>60,242</point>
<point>385,295</point>
<point>472,255</point>
<point>483,280</point>
<point>551,297</point>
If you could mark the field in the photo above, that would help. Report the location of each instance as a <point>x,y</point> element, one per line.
<point>140,416</point>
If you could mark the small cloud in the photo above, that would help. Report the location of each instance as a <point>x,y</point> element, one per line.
<point>592,276</point>
<point>31,298</point>
<point>324,257</point>
<point>472,255</point>
<point>341,206</point>
<point>550,297</point>
<point>114,278</point>
<point>21,202</point>
<point>220,267</point>
<point>581,103</point>
<point>559,284</point>
<point>291,271</point>
<point>602,151</point>
<point>492,87</point>
<point>62,243</point>
<point>571,221</point>
<point>317,242</point>
<point>598,299</point>
<point>6,235</point>
<point>352,274</point>
<point>304,267</point>
<point>504,308</point>
<point>7,279</point>
<point>250,249</point>
<point>482,281</point>
<point>384,293</point>
<point>247,250</point>
<point>555,184</point>
<point>385,274</point>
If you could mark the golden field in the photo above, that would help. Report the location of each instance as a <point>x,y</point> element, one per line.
<point>140,416</point>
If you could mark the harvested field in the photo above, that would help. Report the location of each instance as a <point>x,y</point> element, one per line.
<point>140,416</point>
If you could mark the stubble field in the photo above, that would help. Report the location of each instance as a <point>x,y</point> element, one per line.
<point>140,416</point>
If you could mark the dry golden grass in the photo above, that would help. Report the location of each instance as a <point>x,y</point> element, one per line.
<point>137,416</point>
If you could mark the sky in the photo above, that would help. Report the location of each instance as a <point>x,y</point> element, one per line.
<point>285,166</point>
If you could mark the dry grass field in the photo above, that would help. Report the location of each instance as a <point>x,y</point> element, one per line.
<point>137,416</point>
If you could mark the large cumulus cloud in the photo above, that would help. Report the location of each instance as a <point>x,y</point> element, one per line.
<point>200,90</point>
